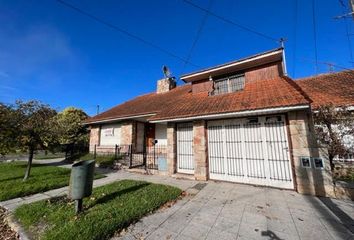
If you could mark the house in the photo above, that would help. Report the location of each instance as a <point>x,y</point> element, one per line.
<point>244,121</point>
<point>335,89</point>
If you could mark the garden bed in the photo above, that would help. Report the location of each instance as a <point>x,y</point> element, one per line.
<point>110,209</point>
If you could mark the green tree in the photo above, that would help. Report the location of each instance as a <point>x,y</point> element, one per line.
<point>8,129</point>
<point>332,125</point>
<point>70,130</point>
<point>70,127</point>
<point>35,129</point>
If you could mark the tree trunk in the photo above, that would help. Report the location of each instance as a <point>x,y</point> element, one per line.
<point>330,150</point>
<point>29,164</point>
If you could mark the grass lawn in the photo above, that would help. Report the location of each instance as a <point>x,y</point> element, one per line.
<point>109,209</point>
<point>42,178</point>
<point>103,160</point>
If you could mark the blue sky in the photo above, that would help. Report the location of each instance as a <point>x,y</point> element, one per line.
<point>52,53</point>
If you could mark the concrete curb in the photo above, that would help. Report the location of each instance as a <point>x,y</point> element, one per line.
<point>15,226</point>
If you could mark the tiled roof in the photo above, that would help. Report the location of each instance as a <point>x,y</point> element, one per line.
<point>333,88</point>
<point>181,102</point>
<point>145,104</point>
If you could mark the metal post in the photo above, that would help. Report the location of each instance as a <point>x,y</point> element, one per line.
<point>78,206</point>
<point>94,153</point>
<point>131,156</point>
<point>154,156</point>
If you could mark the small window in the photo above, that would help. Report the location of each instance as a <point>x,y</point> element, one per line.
<point>252,120</point>
<point>273,119</point>
<point>318,162</point>
<point>305,162</point>
<point>229,84</point>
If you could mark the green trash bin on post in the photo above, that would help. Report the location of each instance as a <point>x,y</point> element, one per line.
<point>81,181</point>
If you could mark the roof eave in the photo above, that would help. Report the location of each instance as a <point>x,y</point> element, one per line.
<point>237,114</point>
<point>252,61</point>
<point>108,120</point>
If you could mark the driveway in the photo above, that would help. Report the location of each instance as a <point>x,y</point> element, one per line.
<point>216,210</point>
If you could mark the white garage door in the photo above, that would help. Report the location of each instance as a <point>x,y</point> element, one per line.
<point>253,150</point>
<point>185,161</point>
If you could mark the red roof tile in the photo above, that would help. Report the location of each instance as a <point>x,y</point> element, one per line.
<point>181,102</point>
<point>334,88</point>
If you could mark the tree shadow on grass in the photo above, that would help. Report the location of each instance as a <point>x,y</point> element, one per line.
<point>113,195</point>
<point>54,163</point>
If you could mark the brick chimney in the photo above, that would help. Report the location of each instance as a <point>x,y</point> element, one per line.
<point>165,85</point>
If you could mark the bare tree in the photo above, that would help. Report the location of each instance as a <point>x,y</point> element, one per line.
<point>332,125</point>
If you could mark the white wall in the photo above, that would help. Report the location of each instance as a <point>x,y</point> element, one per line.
<point>161,134</point>
<point>110,134</point>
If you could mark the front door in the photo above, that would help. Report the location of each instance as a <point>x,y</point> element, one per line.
<point>150,134</point>
<point>185,159</point>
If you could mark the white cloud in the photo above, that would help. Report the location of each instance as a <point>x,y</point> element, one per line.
<point>34,51</point>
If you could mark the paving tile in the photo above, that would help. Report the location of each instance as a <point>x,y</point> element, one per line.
<point>277,225</point>
<point>254,217</point>
<point>312,231</point>
<point>227,225</point>
<point>161,234</point>
<point>195,230</point>
<point>220,234</point>
<point>176,224</point>
<point>251,231</point>
<point>274,235</point>
<point>204,218</point>
<point>185,237</point>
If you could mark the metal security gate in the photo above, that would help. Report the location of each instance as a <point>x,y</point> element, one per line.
<point>253,150</point>
<point>185,162</point>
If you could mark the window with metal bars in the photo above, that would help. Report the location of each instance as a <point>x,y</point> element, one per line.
<point>229,84</point>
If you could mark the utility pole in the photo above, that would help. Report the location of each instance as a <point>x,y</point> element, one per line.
<point>98,109</point>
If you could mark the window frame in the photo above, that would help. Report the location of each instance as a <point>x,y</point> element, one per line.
<point>228,80</point>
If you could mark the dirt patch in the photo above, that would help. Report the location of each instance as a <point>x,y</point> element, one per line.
<point>6,232</point>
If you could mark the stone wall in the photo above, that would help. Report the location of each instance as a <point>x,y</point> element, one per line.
<point>200,150</point>
<point>94,137</point>
<point>171,148</point>
<point>128,133</point>
<point>128,136</point>
<point>302,138</point>
<point>165,85</point>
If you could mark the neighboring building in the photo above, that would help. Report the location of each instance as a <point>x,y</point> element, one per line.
<point>243,121</point>
<point>335,89</point>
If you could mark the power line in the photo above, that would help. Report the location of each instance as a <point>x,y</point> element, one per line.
<point>121,30</point>
<point>231,22</point>
<point>347,31</point>
<point>199,32</point>
<point>314,34</point>
<point>325,63</point>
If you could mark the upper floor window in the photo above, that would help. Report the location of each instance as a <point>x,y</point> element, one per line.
<point>229,84</point>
